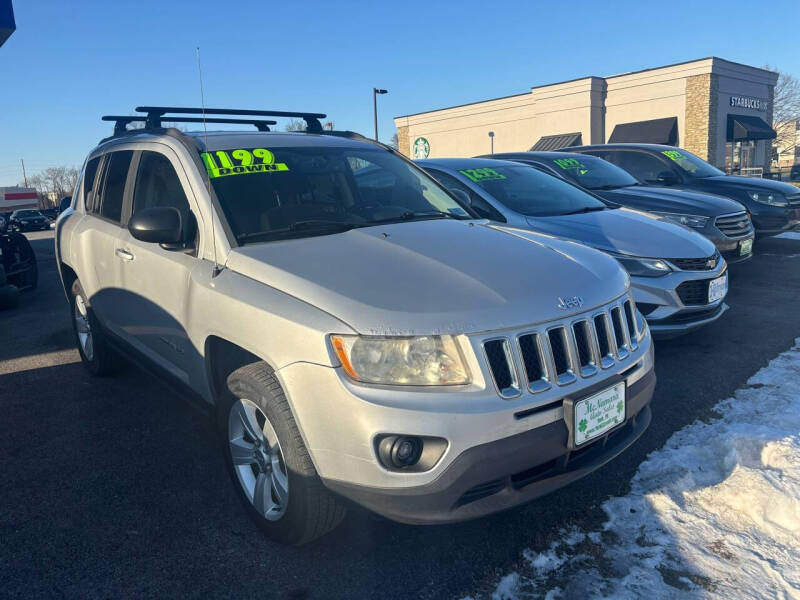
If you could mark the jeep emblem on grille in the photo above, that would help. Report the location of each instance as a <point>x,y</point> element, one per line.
<point>572,302</point>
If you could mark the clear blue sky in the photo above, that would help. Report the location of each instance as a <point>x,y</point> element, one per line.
<point>71,62</point>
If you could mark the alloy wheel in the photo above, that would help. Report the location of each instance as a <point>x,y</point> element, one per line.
<point>83,327</point>
<point>258,459</point>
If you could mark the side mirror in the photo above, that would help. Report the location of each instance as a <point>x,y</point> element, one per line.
<point>66,201</point>
<point>159,225</point>
<point>462,196</point>
<point>667,178</point>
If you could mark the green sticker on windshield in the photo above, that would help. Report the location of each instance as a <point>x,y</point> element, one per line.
<point>241,162</point>
<point>673,155</point>
<point>478,175</point>
<point>571,163</point>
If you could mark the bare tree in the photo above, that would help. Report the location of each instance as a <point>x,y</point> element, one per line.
<point>295,125</point>
<point>785,111</point>
<point>394,142</point>
<point>53,183</point>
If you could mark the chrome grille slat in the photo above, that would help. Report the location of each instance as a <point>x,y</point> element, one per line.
<point>563,352</point>
<point>735,224</point>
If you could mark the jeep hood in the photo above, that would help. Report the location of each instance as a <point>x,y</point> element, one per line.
<point>435,276</point>
<point>671,200</point>
<point>627,232</point>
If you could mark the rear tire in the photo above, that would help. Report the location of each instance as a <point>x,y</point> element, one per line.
<point>294,507</point>
<point>28,279</point>
<point>92,345</point>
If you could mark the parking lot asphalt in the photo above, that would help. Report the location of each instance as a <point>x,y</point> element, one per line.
<point>115,487</point>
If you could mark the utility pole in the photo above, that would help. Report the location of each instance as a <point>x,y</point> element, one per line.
<point>24,176</point>
<point>375,92</point>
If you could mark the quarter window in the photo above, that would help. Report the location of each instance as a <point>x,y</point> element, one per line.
<point>114,189</point>
<point>89,175</point>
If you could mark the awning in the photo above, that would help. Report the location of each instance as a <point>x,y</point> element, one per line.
<point>744,127</point>
<point>655,131</point>
<point>556,142</point>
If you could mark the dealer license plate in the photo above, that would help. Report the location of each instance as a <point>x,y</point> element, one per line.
<point>717,288</point>
<point>598,413</point>
<point>745,247</point>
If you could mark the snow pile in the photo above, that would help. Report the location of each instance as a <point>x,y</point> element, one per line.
<point>715,512</point>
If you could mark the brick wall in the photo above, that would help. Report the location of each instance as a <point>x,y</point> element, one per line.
<point>403,143</point>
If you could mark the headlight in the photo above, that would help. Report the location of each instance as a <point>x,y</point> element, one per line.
<point>771,198</point>
<point>695,221</point>
<point>423,360</point>
<point>643,267</point>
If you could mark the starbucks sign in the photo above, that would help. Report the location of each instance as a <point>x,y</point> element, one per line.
<point>421,148</point>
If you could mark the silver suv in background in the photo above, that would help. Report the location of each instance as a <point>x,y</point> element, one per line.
<point>355,331</point>
<point>678,277</point>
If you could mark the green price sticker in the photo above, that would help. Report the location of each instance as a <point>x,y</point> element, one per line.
<point>673,155</point>
<point>241,162</point>
<point>569,164</point>
<point>478,175</point>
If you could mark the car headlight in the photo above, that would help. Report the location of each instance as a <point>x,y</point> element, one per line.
<point>771,198</point>
<point>643,267</point>
<point>695,221</point>
<point>421,360</point>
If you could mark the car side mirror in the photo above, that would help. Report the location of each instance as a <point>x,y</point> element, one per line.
<point>66,201</point>
<point>462,196</point>
<point>158,225</point>
<point>667,178</point>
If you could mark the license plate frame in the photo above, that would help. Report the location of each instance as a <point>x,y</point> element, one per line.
<point>587,420</point>
<point>718,288</point>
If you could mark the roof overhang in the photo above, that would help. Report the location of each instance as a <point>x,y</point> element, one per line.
<point>556,142</point>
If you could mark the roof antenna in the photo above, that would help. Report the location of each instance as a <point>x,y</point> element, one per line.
<point>217,270</point>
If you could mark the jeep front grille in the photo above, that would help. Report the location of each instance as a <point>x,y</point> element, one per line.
<point>561,353</point>
<point>735,225</point>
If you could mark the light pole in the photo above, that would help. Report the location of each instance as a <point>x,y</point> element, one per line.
<point>491,141</point>
<point>375,92</point>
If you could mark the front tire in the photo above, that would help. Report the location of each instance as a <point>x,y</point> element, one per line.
<point>95,352</point>
<point>268,461</point>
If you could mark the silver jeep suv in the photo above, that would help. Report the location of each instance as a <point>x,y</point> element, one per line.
<point>355,332</point>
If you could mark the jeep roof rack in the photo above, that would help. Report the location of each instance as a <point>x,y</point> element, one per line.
<point>121,121</point>
<point>155,114</point>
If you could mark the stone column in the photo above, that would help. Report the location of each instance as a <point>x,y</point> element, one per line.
<point>403,143</point>
<point>700,129</point>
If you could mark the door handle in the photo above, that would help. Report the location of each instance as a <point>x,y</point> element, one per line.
<point>124,254</point>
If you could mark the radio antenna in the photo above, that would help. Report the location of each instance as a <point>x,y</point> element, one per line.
<point>217,270</point>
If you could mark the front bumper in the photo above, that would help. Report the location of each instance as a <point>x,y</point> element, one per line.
<point>340,422</point>
<point>730,248</point>
<point>774,220</point>
<point>505,473</point>
<point>666,313</point>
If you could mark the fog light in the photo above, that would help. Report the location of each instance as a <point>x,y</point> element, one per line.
<point>405,451</point>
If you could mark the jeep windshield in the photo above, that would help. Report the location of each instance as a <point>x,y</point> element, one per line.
<point>592,173</point>
<point>288,192</point>
<point>531,192</point>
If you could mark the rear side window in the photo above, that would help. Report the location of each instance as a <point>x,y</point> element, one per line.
<point>644,167</point>
<point>479,205</point>
<point>158,185</point>
<point>89,175</point>
<point>114,188</point>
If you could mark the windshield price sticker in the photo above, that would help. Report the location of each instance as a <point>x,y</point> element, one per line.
<point>673,155</point>
<point>241,162</point>
<point>484,174</point>
<point>571,163</point>
<point>682,160</point>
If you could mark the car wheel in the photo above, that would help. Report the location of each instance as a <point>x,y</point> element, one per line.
<point>27,279</point>
<point>95,353</point>
<point>268,461</point>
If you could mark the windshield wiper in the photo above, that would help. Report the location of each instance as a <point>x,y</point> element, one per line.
<point>610,186</point>
<point>427,213</point>
<point>585,209</point>
<point>311,225</point>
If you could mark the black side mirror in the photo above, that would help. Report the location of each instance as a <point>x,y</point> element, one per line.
<point>667,178</point>
<point>462,196</point>
<point>159,225</point>
<point>66,202</point>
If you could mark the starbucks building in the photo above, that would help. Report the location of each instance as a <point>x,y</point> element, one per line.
<point>717,109</point>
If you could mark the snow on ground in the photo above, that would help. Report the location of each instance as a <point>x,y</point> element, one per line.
<point>714,513</point>
<point>790,235</point>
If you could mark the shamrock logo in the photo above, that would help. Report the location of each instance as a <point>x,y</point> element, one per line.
<point>620,406</point>
<point>582,425</point>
